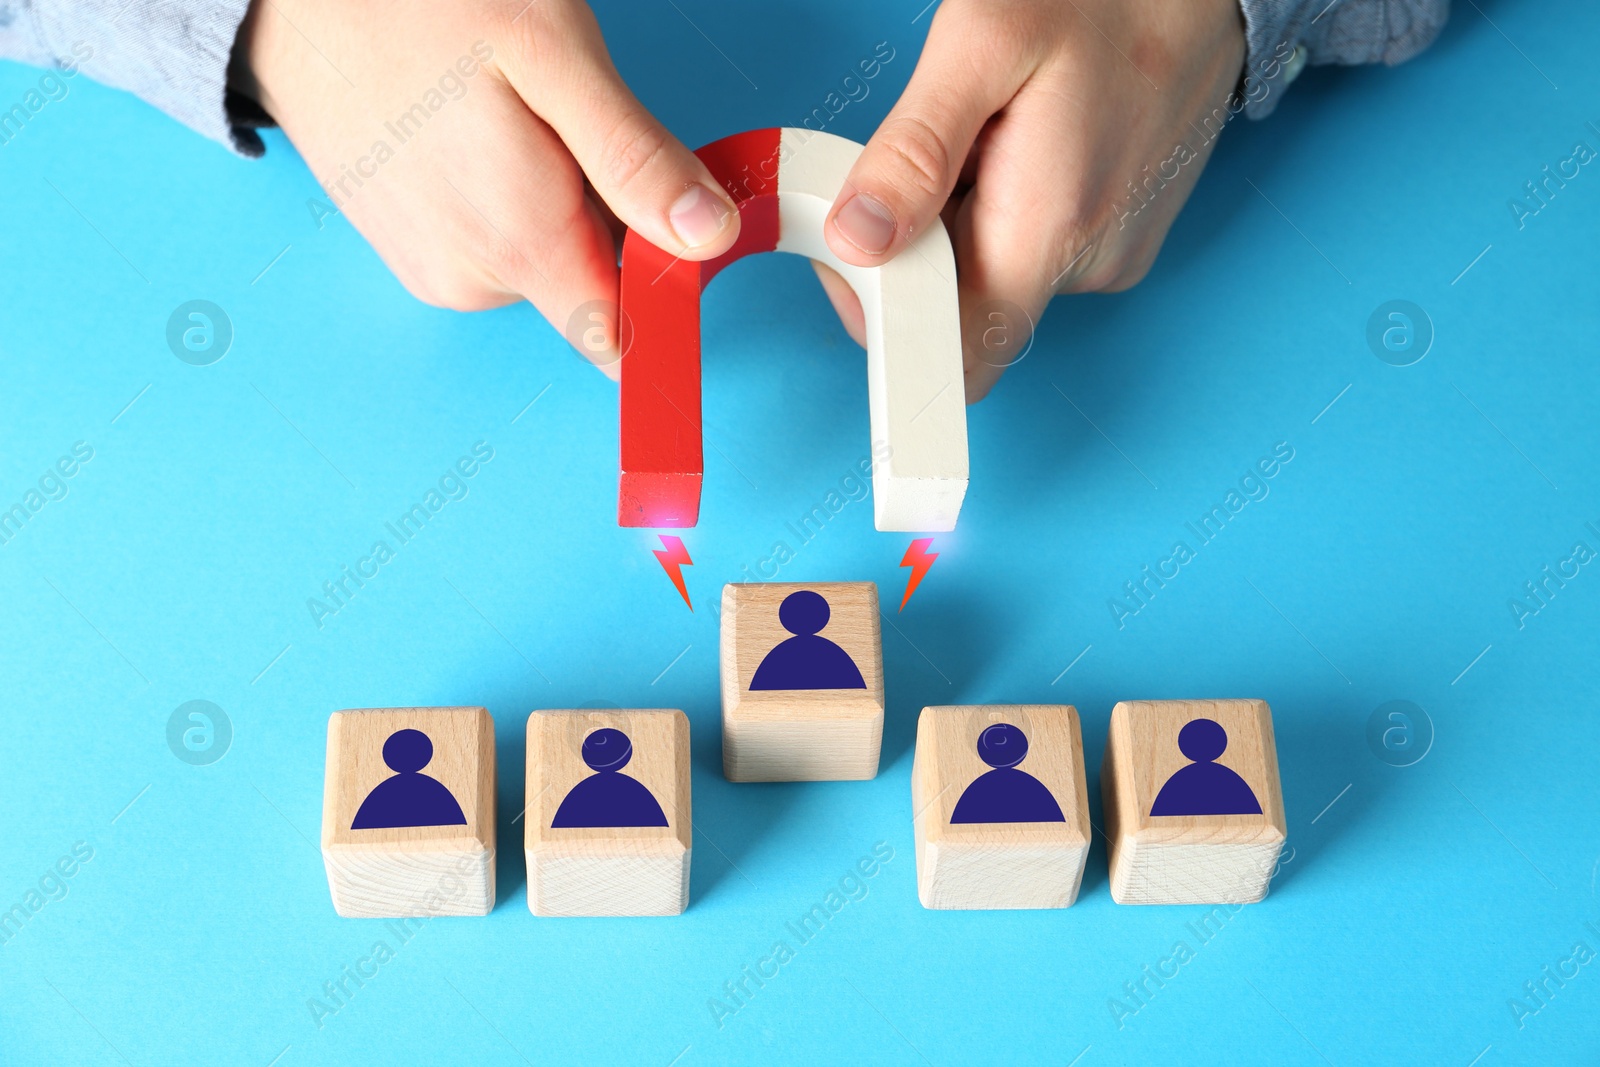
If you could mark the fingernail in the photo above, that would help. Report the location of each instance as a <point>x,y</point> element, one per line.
<point>866,224</point>
<point>698,216</point>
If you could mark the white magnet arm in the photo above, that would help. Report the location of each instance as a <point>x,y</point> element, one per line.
<point>914,375</point>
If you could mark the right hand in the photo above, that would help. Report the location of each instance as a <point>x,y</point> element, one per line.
<point>481,189</point>
<point>1032,127</point>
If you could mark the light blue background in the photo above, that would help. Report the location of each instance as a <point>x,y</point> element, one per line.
<point>1380,567</point>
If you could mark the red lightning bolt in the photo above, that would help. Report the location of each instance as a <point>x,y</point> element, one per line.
<point>919,559</point>
<point>673,557</point>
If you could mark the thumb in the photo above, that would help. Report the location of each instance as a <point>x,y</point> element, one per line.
<point>645,175</point>
<point>910,166</point>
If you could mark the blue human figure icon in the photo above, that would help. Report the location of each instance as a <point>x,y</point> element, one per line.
<point>608,797</point>
<point>807,660</point>
<point>408,797</point>
<point>1006,793</point>
<point>1205,787</point>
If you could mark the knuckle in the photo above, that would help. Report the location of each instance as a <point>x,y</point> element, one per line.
<point>509,260</point>
<point>921,159</point>
<point>500,259</point>
<point>419,281</point>
<point>480,272</point>
<point>516,250</point>
<point>419,289</point>
<point>1091,277</point>
<point>450,293</point>
<point>1131,274</point>
<point>1079,260</point>
<point>632,149</point>
<point>1097,279</point>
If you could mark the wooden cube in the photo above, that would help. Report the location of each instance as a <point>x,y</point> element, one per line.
<point>1193,807</point>
<point>802,681</point>
<point>408,812</point>
<point>1000,806</point>
<point>608,818</point>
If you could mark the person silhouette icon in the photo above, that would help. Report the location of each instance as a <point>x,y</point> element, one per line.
<point>608,797</point>
<point>807,660</point>
<point>1205,787</point>
<point>409,797</point>
<point>1005,794</point>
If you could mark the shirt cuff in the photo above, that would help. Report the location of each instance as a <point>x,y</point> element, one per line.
<point>170,53</point>
<point>1282,36</point>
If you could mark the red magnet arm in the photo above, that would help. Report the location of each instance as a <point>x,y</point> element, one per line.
<point>662,461</point>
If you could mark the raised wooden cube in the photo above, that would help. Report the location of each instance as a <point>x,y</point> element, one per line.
<point>408,812</point>
<point>608,816</point>
<point>1193,806</point>
<point>1000,806</point>
<point>802,681</point>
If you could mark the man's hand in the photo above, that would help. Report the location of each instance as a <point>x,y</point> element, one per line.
<point>458,137</point>
<point>1028,126</point>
